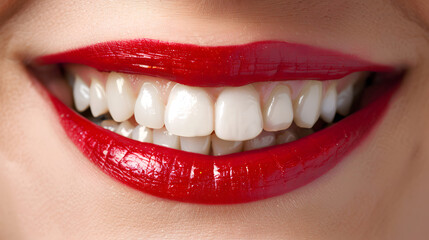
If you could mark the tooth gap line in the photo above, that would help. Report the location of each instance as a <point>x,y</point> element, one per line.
<point>296,89</point>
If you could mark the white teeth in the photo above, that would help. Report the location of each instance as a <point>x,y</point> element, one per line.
<point>149,108</point>
<point>98,100</point>
<point>199,145</point>
<point>329,104</point>
<point>142,134</point>
<point>278,111</point>
<point>212,121</point>
<point>286,136</point>
<point>189,112</point>
<point>345,100</point>
<point>307,104</point>
<point>238,114</point>
<point>265,139</point>
<point>164,138</point>
<point>109,125</point>
<point>222,147</point>
<point>120,98</point>
<point>80,94</point>
<point>125,129</point>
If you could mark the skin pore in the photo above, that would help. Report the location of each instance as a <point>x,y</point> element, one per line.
<point>49,190</point>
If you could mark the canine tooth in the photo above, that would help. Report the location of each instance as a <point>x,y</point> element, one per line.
<point>238,115</point>
<point>80,94</point>
<point>199,145</point>
<point>97,102</point>
<point>125,129</point>
<point>189,112</point>
<point>307,104</point>
<point>149,108</point>
<point>278,111</point>
<point>109,125</point>
<point>120,98</point>
<point>142,134</point>
<point>223,147</point>
<point>286,136</point>
<point>329,104</point>
<point>345,100</point>
<point>163,138</point>
<point>265,139</point>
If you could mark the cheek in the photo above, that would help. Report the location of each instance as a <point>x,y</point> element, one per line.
<point>8,8</point>
<point>416,10</point>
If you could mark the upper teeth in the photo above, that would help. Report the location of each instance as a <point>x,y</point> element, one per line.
<point>278,111</point>
<point>97,101</point>
<point>80,94</point>
<point>149,108</point>
<point>307,104</point>
<point>328,104</point>
<point>238,114</point>
<point>120,97</point>
<point>231,114</point>
<point>189,112</point>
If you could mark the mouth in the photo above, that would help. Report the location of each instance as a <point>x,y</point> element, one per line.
<point>216,124</point>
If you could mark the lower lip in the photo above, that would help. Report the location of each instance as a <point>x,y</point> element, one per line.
<point>236,178</point>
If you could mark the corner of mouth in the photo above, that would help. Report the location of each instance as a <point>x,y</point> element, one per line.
<point>228,124</point>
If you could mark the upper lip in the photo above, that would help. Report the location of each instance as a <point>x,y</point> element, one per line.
<point>210,66</point>
<point>233,178</point>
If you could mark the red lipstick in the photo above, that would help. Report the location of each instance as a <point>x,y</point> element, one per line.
<point>235,178</point>
<point>208,66</point>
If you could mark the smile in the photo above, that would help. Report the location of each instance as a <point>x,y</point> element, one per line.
<point>221,124</point>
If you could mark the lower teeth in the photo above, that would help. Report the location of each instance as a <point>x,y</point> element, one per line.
<point>210,144</point>
<point>277,124</point>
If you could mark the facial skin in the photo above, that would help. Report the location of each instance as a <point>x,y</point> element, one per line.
<point>49,190</point>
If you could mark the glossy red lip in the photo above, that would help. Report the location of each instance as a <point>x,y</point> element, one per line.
<point>217,66</point>
<point>235,178</point>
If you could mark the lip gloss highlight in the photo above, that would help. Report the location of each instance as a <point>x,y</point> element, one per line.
<point>236,178</point>
<point>213,66</point>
